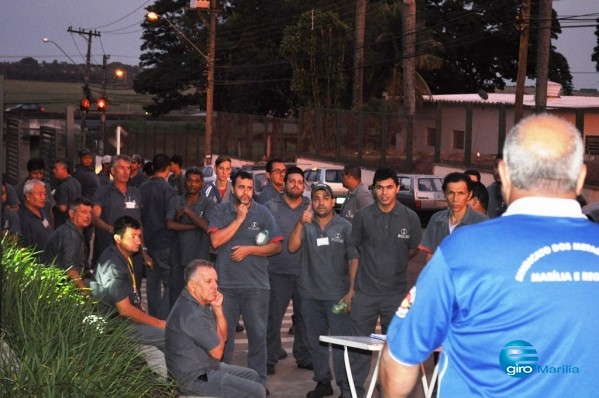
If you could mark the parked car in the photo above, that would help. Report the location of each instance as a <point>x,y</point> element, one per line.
<point>422,193</point>
<point>330,176</point>
<point>209,175</point>
<point>25,108</point>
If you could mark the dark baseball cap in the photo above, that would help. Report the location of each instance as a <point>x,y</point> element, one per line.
<point>84,152</point>
<point>321,186</point>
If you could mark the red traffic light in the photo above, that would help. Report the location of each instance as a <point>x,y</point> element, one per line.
<point>84,104</point>
<point>101,104</point>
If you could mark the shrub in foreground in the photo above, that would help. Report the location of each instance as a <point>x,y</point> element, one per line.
<point>61,347</point>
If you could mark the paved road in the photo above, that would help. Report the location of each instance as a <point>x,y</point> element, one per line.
<point>291,382</point>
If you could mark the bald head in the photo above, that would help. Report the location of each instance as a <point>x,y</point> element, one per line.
<point>543,156</point>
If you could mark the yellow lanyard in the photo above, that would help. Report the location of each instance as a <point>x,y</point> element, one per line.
<point>130,268</point>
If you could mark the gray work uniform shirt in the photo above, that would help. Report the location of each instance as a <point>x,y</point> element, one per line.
<point>195,243</point>
<point>190,334</point>
<point>357,198</point>
<point>385,241</point>
<point>324,256</point>
<point>438,227</point>
<point>286,218</point>
<point>252,272</point>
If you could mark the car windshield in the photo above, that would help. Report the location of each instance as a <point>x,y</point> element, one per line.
<point>430,184</point>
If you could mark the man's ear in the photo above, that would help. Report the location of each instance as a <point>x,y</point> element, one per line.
<point>506,180</point>
<point>581,178</point>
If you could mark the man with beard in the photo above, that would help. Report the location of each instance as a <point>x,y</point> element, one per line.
<point>328,265</point>
<point>188,216</point>
<point>245,233</point>
<point>283,270</point>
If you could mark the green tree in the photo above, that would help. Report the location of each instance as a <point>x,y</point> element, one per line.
<point>172,70</point>
<point>383,72</point>
<point>315,48</point>
<point>480,45</point>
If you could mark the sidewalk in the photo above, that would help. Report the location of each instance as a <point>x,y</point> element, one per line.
<point>291,382</point>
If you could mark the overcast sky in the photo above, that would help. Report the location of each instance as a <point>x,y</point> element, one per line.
<point>23,25</point>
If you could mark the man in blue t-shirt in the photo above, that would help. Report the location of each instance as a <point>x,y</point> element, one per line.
<point>511,315</point>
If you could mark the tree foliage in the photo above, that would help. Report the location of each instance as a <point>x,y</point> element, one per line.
<point>315,48</point>
<point>462,46</point>
<point>480,45</point>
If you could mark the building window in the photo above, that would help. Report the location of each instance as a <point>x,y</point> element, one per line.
<point>591,145</point>
<point>458,139</point>
<point>430,136</point>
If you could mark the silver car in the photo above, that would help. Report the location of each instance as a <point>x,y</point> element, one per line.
<point>421,192</point>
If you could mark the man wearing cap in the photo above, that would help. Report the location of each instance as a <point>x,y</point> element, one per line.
<point>84,173</point>
<point>136,176</point>
<point>328,265</point>
<point>104,173</point>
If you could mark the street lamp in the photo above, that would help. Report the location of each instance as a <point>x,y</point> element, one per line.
<point>86,91</point>
<point>121,74</point>
<point>209,58</point>
<point>46,40</point>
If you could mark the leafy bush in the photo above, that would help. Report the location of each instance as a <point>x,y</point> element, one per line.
<point>61,348</point>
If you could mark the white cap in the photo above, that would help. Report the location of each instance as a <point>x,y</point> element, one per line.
<point>106,159</point>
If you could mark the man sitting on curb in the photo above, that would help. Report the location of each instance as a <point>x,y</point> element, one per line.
<point>196,331</point>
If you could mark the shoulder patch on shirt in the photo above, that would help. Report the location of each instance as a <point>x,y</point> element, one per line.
<point>406,303</point>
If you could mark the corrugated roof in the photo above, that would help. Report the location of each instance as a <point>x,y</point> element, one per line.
<point>572,102</point>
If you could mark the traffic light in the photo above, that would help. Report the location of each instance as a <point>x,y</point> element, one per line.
<point>84,105</point>
<point>101,104</point>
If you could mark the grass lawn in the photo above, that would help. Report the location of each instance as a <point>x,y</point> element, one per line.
<point>56,96</point>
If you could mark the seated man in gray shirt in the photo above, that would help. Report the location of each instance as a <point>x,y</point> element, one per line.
<point>196,331</point>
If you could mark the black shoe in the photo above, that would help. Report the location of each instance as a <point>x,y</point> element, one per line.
<point>307,366</point>
<point>321,390</point>
<point>270,369</point>
<point>239,328</point>
<point>283,354</point>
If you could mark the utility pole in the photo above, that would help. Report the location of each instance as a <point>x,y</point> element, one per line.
<point>543,49</point>
<point>102,131</point>
<point>359,53</point>
<point>210,85</point>
<point>524,27</point>
<point>86,90</point>
<point>408,14</point>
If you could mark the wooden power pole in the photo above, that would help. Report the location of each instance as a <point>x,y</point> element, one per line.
<point>543,49</point>
<point>408,14</point>
<point>524,27</point>
<point>359,53</point>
